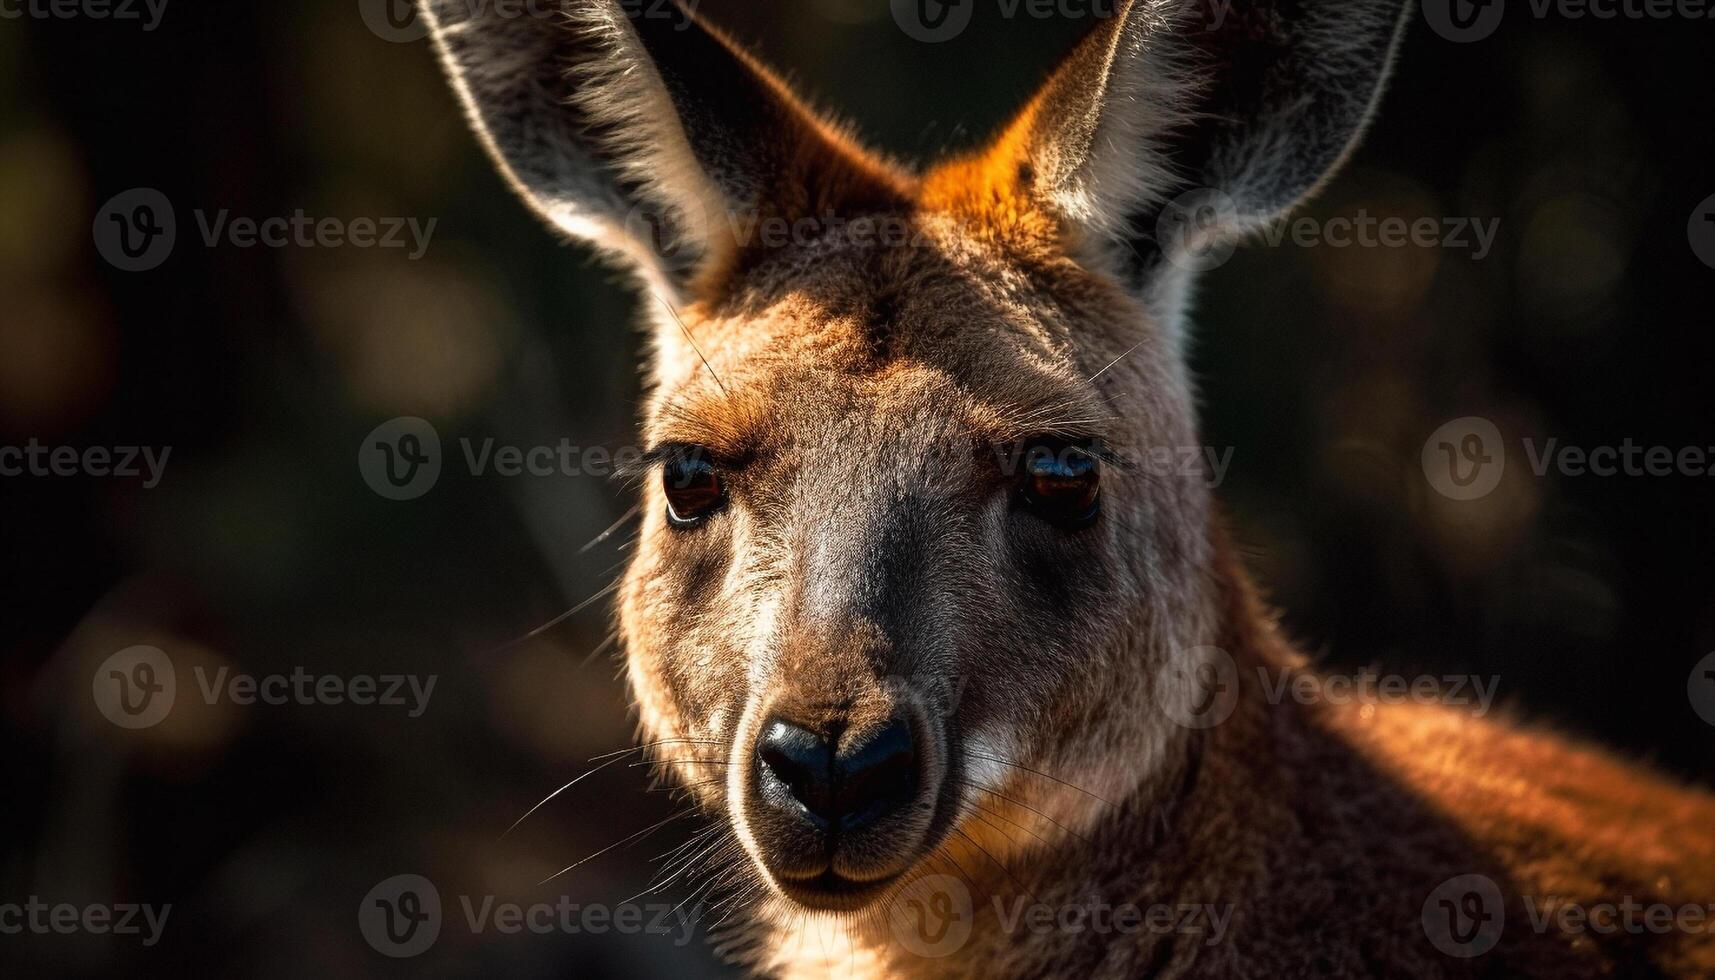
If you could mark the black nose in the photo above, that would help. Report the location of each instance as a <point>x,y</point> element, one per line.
<point>838,787</point>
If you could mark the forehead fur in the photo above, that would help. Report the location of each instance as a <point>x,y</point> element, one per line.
<point>1011,336</point>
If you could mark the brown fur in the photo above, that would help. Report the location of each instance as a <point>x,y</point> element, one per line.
<point>869,563</point>
<point>1324,828</point>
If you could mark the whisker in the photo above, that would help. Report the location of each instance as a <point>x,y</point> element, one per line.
<point>694,839</point>
<point>692,341</point>
<point>606,591</point>
<point>654,888</point>
<point>611,758</point>
<point>1038,772</point>
<point>1026,806</point>
<point>612,637</point>
<point>611,528</point>
<point>998,863</point>
<point>557,792</point>
<point>977,810</point>
<point>676,787</point>
<point>741,898</point>
<point>679,762</point>
<point>1115,361</point>
<point>656,744</point>
<point>703,890</point>
<point>730,873</point>
<point>645,832</point>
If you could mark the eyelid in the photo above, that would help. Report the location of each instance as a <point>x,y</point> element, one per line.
<point>1089,444</point>
<point>668,451</point>
<point>728,461</point>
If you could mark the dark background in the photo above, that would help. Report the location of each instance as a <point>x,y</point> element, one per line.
<point>263,550</point>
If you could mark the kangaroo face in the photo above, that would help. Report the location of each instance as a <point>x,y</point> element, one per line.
<point>883,540</point>
<point>909,560</point>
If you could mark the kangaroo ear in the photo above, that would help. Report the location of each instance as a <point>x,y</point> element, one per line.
<point>1249,103</point>
<point>638,128</point>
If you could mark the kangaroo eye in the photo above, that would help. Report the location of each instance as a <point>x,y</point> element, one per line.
<point>693,486</point>
<point>1061,483</point>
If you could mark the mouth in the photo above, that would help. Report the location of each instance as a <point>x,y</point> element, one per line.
<point>835,816</point>
<point>831,891</point>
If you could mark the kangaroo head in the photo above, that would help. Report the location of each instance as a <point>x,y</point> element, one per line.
<point>908,534</point>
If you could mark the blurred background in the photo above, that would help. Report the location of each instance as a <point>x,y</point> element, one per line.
<point>262,549</point>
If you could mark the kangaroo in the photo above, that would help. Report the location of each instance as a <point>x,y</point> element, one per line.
<point>967,689</point>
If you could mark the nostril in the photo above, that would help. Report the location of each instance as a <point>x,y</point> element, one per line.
<point>866,778</point>
<point>800,763</point>
<point>876,776</point>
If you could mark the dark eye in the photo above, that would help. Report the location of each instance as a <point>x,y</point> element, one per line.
<point>693,486</point>
<point>1061,482</point>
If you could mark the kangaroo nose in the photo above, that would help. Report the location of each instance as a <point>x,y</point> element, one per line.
<point>838,786</point>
